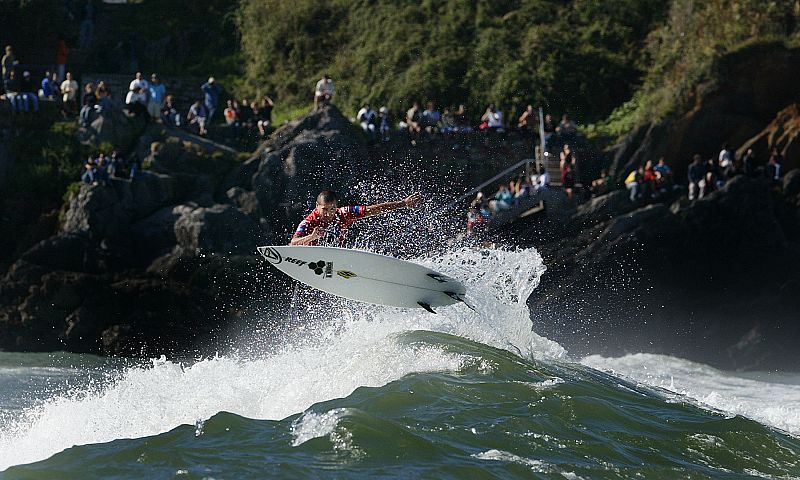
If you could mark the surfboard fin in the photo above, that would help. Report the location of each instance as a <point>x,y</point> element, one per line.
<point>439,278</point>
<point>426,306</point>
<point>459,298</point>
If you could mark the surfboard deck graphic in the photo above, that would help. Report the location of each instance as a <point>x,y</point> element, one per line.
<point>365,276</point>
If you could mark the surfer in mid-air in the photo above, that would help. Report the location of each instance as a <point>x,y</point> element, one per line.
<point>329,220</point>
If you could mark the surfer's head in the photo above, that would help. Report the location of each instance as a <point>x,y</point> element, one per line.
<point>326,204</point>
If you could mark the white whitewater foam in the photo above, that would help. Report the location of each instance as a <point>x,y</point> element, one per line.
<point>774,404</point>
<point>358,349</point>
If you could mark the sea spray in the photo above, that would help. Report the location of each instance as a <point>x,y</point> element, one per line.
<point>355,346</point>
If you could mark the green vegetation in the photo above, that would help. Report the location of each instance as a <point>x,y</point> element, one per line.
<point>46,163</point>
<point>684,52</point>
<point>581,56</point>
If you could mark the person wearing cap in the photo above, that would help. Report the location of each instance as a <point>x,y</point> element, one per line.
<point>28,93</point>
<point>323,92</point>
<point>211,92</point>
<point>157,94</point>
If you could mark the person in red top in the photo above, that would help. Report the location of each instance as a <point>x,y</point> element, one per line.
<point>329,220</point>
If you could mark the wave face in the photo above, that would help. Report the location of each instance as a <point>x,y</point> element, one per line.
<point>366,391</point>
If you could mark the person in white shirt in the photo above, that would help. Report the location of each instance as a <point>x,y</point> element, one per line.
<point>366,117</point>
<point>69,90</point>
<point>493,117</point>
<point>140,82</point>
<point>323,92</point>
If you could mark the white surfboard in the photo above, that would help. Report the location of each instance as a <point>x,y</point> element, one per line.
<point>365,276</point>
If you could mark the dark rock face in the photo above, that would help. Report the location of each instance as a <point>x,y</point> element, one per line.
<point>715,280</point>
<point>319,151</point>
<point>159,264</point>
<point>112,126</point>
<point>731,111</point>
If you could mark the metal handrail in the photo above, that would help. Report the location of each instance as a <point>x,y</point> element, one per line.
<point>525,161</point>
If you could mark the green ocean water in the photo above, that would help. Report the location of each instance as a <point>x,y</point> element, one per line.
<point>496,416</point>
<point>381,393</point>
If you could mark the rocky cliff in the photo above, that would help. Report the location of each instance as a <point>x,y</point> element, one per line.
<point>749,87</point>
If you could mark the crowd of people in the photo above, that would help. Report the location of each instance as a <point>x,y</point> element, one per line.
<point>100,169</point>
<point>23,92</point>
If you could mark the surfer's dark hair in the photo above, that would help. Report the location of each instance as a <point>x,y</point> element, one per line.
<point>326,196</point>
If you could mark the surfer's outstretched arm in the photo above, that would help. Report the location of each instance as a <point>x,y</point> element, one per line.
<point>410,201</point>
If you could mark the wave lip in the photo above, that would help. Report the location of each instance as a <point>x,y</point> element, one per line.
<point>495,413</point>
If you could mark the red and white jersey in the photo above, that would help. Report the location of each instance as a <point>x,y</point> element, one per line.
<point>336,228</point>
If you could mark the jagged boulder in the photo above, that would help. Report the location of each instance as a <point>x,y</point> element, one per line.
<point>112,126</point>
<point>221,228</point>
<point>320,150</point>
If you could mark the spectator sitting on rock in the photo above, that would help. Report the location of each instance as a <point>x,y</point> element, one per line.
<point>774,164</point>
<point>197,116</point>
<point>462,119</point>
<point>245,113</point>
<point>103,95</point>
<point>714,180</point>
<point>157,93</point>
<point>136,102</point>
<point>649,180</point>
<point>88,176</point>
<point>493,118</point>
<point>697,178</point>
<point>49,86</point>
<point>385,123</point>
<point>413,121</point>
<point>323,91</point>
<point>211,92</point>
<point>114,165</point>
<point>265,116</point>
<point>101,170</point>
<point>69,91</point>
<point>543,179</point>
<point>725,157</point>
<point>601,185</point>
<point>663,176</point>
<point>232,118</point>
<point>431,118</point>
<point>12,87</point>
<point>567,129</point>
<point>503,200</point>
<point>633,183</point>
<point>169,113</point>
<point>448,121</point>
<point>749,163</point>
<point>28,93</point>
<point>88,103</point>
<point>366,118</point>
<point>9,61</point>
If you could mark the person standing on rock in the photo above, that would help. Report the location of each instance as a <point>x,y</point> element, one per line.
<point>697,178</point>
<point>323,92</point>
<point>211,92</point>
<point>328,222</point>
